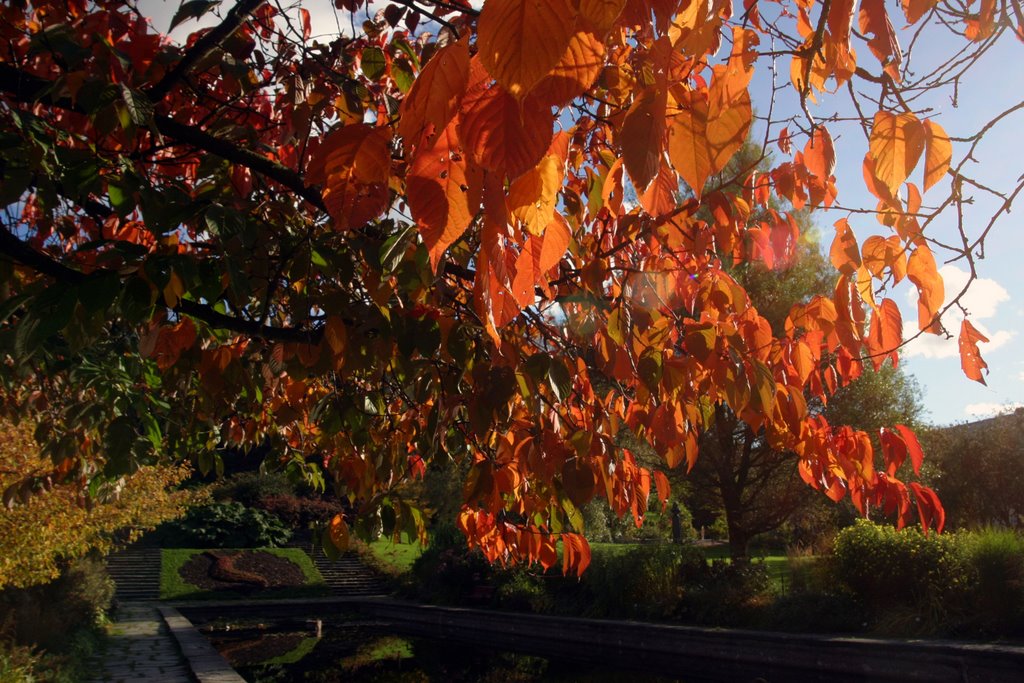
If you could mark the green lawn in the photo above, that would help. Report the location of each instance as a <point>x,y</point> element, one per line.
<point>398,558</point>
<point>395,558</point>
<point>174,587</point>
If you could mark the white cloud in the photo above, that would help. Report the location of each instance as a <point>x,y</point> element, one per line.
<point>989,409</point>
<point>981,301</point>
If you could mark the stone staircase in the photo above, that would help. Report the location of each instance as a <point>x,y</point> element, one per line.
<point>136,573</point>
<point>346,576</point>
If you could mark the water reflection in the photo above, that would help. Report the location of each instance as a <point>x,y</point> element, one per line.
<point>355,650</point>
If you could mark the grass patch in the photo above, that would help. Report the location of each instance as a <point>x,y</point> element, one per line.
<point>174,587</point>
<point>394,558</point>
<point>612,549</point>
<point>301,650</point>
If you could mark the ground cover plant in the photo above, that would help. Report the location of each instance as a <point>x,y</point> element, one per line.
<point>192,574</point>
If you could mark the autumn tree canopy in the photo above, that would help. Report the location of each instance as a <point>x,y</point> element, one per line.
<point>422,229</point>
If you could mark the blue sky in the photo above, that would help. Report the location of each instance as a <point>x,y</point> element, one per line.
<point>996,300</point>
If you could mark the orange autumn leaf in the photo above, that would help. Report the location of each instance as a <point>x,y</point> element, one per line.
<point>601,14</point>
<point>436,94</point>
<point>931,290</point>
<point>970,357</point>
<point>844,253</point>
<point>503,135</point>
<point>354,166</point>
<point>521,41</point>
<point>643,137</point>
<point>820,154</point>
<point>443,192</point>
<point>575,72</point>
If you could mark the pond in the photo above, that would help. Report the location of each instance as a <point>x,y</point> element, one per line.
<point>351,648</point>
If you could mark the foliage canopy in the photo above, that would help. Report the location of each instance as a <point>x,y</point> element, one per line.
<point>414,240</point>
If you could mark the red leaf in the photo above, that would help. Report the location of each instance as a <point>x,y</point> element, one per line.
<point>929,508</point>
<point>913,447</point>
<point>886,334</point>
<point>664,490</point>
<point>884,45</point>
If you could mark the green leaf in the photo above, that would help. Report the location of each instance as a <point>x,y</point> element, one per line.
<point>401,72</point>
<point>374,63</point>
<point>559,379</point>
<point>193,9</point>
<point>394,248</point>
<point>140,109</point>
<point>99,291</point>
<point>537,366</point>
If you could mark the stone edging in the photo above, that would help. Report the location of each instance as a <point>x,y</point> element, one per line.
<point>207,665</point>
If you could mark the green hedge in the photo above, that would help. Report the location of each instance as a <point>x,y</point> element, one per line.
<point>969,583</point>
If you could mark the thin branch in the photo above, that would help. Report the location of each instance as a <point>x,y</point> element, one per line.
<point>204,47</point>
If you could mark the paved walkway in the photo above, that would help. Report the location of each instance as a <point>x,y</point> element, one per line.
<point>141,648</point>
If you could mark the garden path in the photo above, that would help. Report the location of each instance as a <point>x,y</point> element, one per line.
<point>141,648</point>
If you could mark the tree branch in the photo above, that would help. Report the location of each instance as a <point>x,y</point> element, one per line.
<point>31,89</point>
<point>41,263</point>
<point>203,47</point>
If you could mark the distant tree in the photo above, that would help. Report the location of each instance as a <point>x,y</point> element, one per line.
<point>976,468</point>
<point>743,476</point>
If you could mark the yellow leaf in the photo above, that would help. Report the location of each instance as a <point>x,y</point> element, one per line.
<point>896,143</point>
<point>938,153</point>
<point>173,291</point>
<point>521,41</point>
<point>931,290</point>
<point>532,196</point>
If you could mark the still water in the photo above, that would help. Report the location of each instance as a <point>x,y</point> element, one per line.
<point>353,649</point>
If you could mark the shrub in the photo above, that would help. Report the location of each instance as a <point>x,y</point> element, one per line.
<point>299,512</point>
<point>997,559</point>
<point>523,590</point>
<point>224,525</point>
<point>46,614</point>
<point>39,536</point>
<point>912,583</point>
<point>448,571</point>
<point>725,593</point>
<point>249,487</point>
<point>644,582</point>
